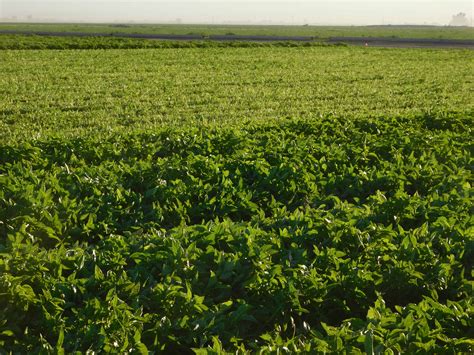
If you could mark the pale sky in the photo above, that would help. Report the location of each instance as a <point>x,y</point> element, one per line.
<point>322,12</point>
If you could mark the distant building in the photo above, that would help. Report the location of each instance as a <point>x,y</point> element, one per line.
<point>459,20</point>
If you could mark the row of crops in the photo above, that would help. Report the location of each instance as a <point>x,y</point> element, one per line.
<point>333,231</point>
<point>29,42</point>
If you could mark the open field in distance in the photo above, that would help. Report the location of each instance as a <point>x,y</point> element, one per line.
<point>431,32</point>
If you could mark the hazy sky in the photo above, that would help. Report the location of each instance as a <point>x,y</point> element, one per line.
<point>344,12</point>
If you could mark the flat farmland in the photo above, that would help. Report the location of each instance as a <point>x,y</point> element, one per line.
<point>431,32</point>
<point>236,200</point>
<point>71,93</point>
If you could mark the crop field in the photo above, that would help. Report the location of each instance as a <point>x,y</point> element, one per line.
<point>432,32</point>
<point>224,199</point>
<point>41,42</point>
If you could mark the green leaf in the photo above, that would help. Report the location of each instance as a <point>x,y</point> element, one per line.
<point>369,342</point>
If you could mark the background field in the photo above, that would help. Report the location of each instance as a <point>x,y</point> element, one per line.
<point>206,30</point>
<point>28,42</point>
<point>72,93</point>
<point>273,199</point>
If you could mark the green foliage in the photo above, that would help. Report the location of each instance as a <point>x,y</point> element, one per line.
<point>236,200</point>
<point>102,93</point>
<point>32,42</point>
<point>326,235</point>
